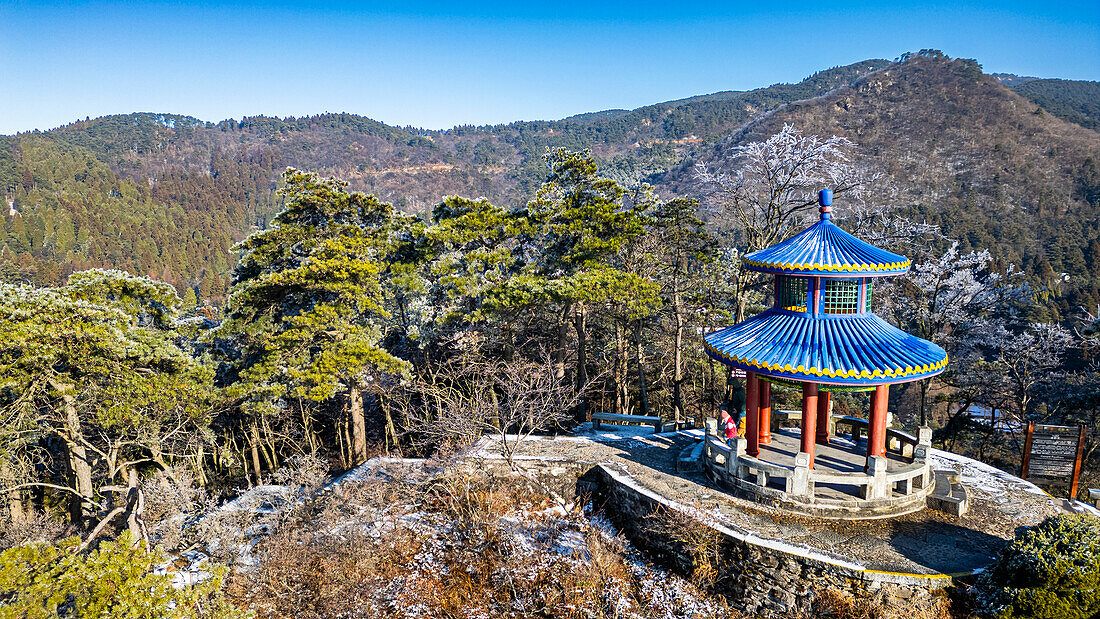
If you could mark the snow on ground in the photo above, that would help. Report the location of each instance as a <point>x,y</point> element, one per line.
<point>997,485</point>
<point>267,499</point>
<point>539,542</point>
<point>981,476</point>
<point>406,470</point>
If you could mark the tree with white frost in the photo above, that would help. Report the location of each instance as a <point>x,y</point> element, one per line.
<point>766,190</point>
<point>470,397</point>
<point>940,300</point>
<point>1020,361</point>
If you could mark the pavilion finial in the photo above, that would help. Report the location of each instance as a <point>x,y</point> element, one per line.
<point>825,199</point>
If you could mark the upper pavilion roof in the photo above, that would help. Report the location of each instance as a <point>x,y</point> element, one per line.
<point>825,249</point>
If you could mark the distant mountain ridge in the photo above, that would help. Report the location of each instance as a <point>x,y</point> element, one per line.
<point>962,151</point>
<point>167,194</point>
<point>1012,80</point>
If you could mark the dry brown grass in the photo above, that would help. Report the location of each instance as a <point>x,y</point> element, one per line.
<point>456,548</point>
<point>835,604</point>
<point>702,544</point>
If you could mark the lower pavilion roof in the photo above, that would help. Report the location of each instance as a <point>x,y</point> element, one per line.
<point>852,349</point>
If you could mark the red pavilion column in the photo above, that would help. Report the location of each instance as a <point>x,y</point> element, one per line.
<point>752,413</point>
<point>765,412</point>
<point>823,399</point>
<point>876,432</point>
<point>809,419</point>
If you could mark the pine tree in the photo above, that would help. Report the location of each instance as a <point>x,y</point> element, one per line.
<point>93,366</point>
<point>306,308</point>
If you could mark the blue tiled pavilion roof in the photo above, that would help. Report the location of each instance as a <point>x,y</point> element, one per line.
<point>853,349</point>
<point>825,249</point>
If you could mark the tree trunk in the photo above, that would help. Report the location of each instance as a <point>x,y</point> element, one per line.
<point>255,452</point>
<point>199,464</point>
<point>80,504</point>
<point>580,324</point>
<point>16,511</point>
<point>563,339</point>
<point>358,425</point>
<point>639,360</point>
<point>391,429</point>
<point>135,508</point>
<point>678,362</point>
<point>340,434</point>
<point>622,392</point>
<point>15,507</point>
<point>740,299</point>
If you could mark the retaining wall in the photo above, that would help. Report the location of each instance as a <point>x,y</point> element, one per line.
<point>763,577</point>
<point>760,577</point>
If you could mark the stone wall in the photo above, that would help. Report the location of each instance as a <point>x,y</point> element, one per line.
<point>757,578</point>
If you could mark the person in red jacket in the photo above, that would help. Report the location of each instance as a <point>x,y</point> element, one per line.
<point>726,424</point>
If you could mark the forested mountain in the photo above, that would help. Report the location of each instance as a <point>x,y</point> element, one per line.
<point>961,151</point>
<point>1075,101</point>
<point>166,195</point>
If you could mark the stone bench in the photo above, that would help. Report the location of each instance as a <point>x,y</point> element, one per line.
<point>1094,496</point>
<point>949,495</point>
<point>597,418</point>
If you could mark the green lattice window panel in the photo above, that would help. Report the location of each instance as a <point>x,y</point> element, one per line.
<point>792,293</point>
<point>867,305</point>
<point>841,296</point>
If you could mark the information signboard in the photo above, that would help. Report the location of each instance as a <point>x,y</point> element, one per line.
<point>1053,453</point>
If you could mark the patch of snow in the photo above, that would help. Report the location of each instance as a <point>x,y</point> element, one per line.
<point>1080,507</point>
<point>189,574</point>
<point>981,476</point>
<point>611,432</point>
<point>267,499</point>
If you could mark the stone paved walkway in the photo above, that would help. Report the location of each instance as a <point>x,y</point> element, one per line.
<point>927,542</point>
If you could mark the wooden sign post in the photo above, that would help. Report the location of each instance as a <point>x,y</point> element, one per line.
<point>1054,454</point>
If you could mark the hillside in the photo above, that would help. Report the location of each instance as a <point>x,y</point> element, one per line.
<point>1075,101</point>
<point>166,195</point>
<point>966,153</point>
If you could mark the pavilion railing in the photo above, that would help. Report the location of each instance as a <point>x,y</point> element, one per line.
<point>730,464</point>
<point>901,444</point>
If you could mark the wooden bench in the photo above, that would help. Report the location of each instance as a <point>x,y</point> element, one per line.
<point>658,425</point>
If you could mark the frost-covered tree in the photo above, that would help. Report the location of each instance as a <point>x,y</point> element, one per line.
<point>943,299</point>
<point>85,370</point>
<point>471,396</point>
<point>578,225</point>
<point>768,187</point>
<point>1019,361</point>
<point>764,190</point>
<point>469,254</point>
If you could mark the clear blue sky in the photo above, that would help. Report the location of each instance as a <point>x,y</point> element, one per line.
<point>440,64</point>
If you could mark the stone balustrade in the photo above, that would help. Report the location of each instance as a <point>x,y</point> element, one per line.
<point>874,492</point>
<point>899,443</point>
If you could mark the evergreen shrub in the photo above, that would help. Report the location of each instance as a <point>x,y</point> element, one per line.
<point>1049,571</point>
<point>116,579</point>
